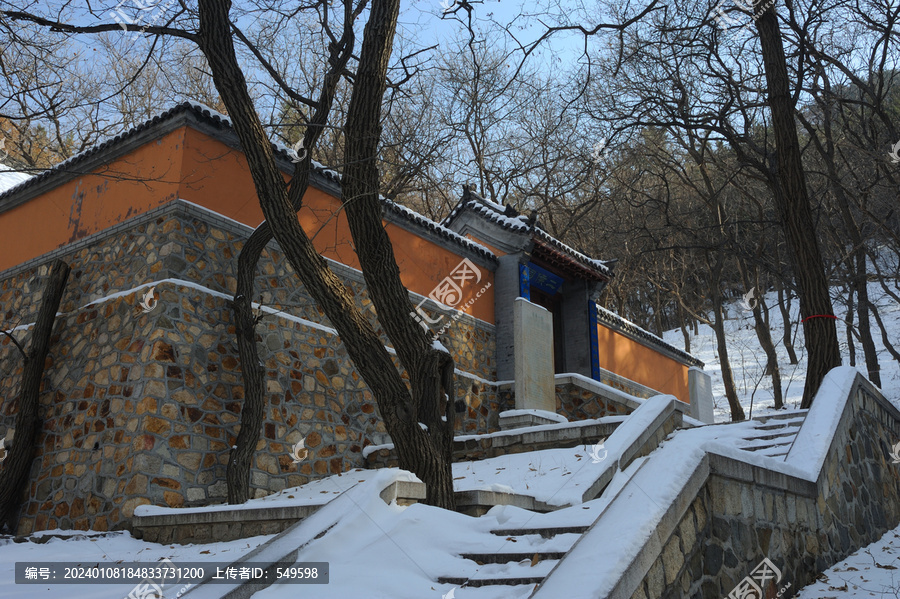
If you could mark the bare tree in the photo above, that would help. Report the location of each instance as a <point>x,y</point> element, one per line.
<point>17,465</point>
<point>418,415</point>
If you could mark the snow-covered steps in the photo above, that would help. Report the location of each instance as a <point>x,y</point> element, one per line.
<point>502,443</point>
<point>775,436</point>
<point>526,557</point>
<point>505,558</point>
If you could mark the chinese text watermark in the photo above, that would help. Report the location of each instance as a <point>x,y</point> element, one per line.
<point>450,293</point>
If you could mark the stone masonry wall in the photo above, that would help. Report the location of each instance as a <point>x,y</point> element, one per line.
<point>802,527</point>
<point>142,408</point>
<point>577,403</point>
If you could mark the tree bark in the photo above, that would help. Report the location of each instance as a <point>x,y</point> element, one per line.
<point>682,321</point>
<point>430,368</point>
<point>851,345</point>
<point>16,466</point>
<point>795,214</point>
<point>737,411</point>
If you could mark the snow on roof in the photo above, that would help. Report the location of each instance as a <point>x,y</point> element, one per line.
<point>510,219</point>
<point>10,178</point>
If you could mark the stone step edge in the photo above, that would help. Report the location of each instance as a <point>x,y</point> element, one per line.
<point>770,446</point>
<point>552,530</point>
<point>406,492</point>
<point>272,553</point>
<point>482,582</point>
<point>296,512</point>
<point>505,558</point>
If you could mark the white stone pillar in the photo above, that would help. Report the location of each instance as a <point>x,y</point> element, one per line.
<point>700,389</point>
<point>533,341</point>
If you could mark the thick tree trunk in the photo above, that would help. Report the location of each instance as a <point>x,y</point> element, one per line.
<point>795,213</point>
<point>237,475</point>
<point>420,450</point>
<point>430,368</point>
<point>16,466</point>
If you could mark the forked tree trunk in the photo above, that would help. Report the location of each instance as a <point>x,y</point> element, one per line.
<point>718,324</point>
<point>734,404</point>
<point>795,213</point>
<point>860,277</point>
<point>253,409</point>
<point>784,306</point>
<point>425,451</point>
<point>764,336</point>
<point>15,468</point>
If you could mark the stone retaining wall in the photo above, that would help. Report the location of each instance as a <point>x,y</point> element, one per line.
<point>745,513</point>
<point>142,408</point>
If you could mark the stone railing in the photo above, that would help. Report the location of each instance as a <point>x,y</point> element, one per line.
<point>716,512</point>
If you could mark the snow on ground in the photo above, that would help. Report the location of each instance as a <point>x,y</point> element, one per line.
<point>88,549</point>
<point>386,551</point>
<point>871,572</point>
<point>748,361</point>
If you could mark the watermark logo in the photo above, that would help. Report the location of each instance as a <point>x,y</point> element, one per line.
<point>450,293</point>
<point>598,452</point>
<point>299,452</point>
<point>3,153</point>
<point>451,594</point>
<point>149,302</point>
<point>895,454</point>
<point>600,151</point>
<point>3,451</point>
<point>145,15</point>
<point>724,21</point>
<point>751,587</point>
<point>296,156</point>
<point>749,303</point>
<point>894,153</point>
<point>149,589</point>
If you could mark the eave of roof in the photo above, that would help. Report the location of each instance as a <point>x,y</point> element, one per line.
<point>490,211</point>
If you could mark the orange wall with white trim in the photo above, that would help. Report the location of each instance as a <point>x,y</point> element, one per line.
<point>188,164</point>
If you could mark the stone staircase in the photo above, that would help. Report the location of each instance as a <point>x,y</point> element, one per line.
<point>510,567</point>
<point>775,435</point>
<point>505,566</point>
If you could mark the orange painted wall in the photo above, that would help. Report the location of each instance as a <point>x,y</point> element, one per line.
<point>143,179</point>
<point>218,178</point>
<point>188,164</point>
<point>643,365</point>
